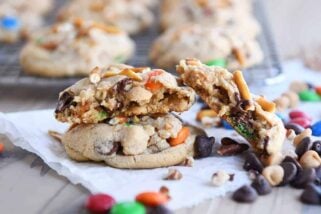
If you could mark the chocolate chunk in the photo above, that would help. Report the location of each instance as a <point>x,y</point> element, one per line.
<point>261,185</point>
<point>245,194</point>
<point>203,146</point>
<point>252,162</point>
<point>228,141</point>
<point>124,85</point>
<point>294,161</point>
<point>232,149</point>
<point>158,210</point>
<point>296,128</point>
<point>106,148</point>
<point>290,172</point>
<point>311,195</point>
<point>303,146</point>
<point>316,146</point>
<point>303,178</point>
<point>65,100</point>
<point>318,175</point>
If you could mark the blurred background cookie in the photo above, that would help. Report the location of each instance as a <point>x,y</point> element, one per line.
<point>74,48</point>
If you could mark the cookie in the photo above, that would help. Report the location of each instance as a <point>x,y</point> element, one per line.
<point>222,13</point>
<point>40,7</point>
<point>207,44</point>
<point>122,90</point>
<point>133,16</point>
<point>141,143</point>
<point>227,94</point>
<point>17,21</point>
<point>74,48</point>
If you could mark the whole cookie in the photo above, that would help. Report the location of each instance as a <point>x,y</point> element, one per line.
<point>207,44</point>
<point>74,48</point>
<point>132,16</point>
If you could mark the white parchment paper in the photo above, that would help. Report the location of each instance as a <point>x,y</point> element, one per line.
<point>29,131</point>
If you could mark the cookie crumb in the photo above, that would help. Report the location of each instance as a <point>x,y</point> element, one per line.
<point>173,174</point>
<point>164,190</point>
<point>189,162</point>
<point>221,177</point>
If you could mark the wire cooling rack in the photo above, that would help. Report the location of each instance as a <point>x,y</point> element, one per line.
<point>268,72</point>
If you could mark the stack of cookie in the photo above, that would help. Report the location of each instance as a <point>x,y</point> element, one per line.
<point>122,115</point>
<point>18,18</point>
<point>218,32</point>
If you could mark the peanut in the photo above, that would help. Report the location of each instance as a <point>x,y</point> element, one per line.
<point>274,174</point>
<point>293,97</point>
<point>240,56</point>
<point>205,113</point>
<point>306,133</point>
<point>310,159</point>
<point>130,73</point>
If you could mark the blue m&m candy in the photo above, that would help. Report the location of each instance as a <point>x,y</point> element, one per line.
<point>316,129</point>
<point>10,23</point>
<point>226,125</point>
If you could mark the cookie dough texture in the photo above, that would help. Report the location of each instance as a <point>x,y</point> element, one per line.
<point>26,15</point>
<point>205,43</point>
<point>217,87</point>
<point>224,13</point>
<point>122,90</point>
<point>134,146</point>
<point>132,16</point>
<point>74,48</point>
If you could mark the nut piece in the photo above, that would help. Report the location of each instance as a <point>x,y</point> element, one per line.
<point>241,85</point>
<point>298,86</point>
<point>193,62</point>
<point>221,177</point>
<point>56,135</point>
<point>306,133</point>
<point>282,103</point>
<point>310,159</point>
<point>189,161</point>
<point>205,113</point>
<point>274,174</point>
<point>131,74</point>
<point>94,76</point>
<point>266,105</point>
<point>173,174</point>
<point>272,159</point>
<point>240,56</point>
<point>293,97</point>
<point>290,134</point>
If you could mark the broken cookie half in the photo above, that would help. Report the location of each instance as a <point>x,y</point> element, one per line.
<point>228,95</point>
<point>134,143</point>
<point>122,90</point>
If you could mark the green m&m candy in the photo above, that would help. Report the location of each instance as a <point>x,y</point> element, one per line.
<point>217,62</point>
<point>128,208</point>
<point>309,96</point>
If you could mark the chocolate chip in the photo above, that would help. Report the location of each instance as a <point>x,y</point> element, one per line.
<point>252,162</point>
<point>294,161</point>
<point>106,148</point>
<point>303,178</point>
<point>261,185</point>
<point>232,149</point>
<point>124,85</point>
<point>290,172</point>
<point>318,175</point>
<point>245,194</point>
<point>203,146</point>
<point>65,100</point>
<point>228,141</point>
<point>296,128</point>
<point>311,195</point>
<point>303,146</point>
<point>316,146</point>
<point>158,210</point>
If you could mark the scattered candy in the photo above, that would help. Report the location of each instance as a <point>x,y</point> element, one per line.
<point>316,129</point>
<point>1,147</point>
<point>298,86</point>
<point>217,62</point>
<point>290,171</point>
<point>303,146</point>
<point>299,114</point>
<point>295,127</point>
<point>10,23</point>
<point>173,174</point>
<point>99,203</point>
<point>128,207</point>
<point>152,198</point>
<point>318,90</point>
<point>226,125</point>
<point>303,178</point>
<point>245,194</point>
<point>316,146</point>
<point>158,210</point>
<point>305,123</point>
<point>309,96</point>
<point>252,163</point>
<point>294,161</point>
<point>311,195</point>
<point>221,177</point>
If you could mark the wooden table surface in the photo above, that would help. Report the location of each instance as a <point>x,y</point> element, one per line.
<point>27,185</point>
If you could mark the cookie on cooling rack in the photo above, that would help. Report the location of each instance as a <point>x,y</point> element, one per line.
<point>228,95</point>
<point>18,18</point>
<point>223,13</point>
<point>132,16</point>
<point>74,48</point>
<point>213,45</point>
